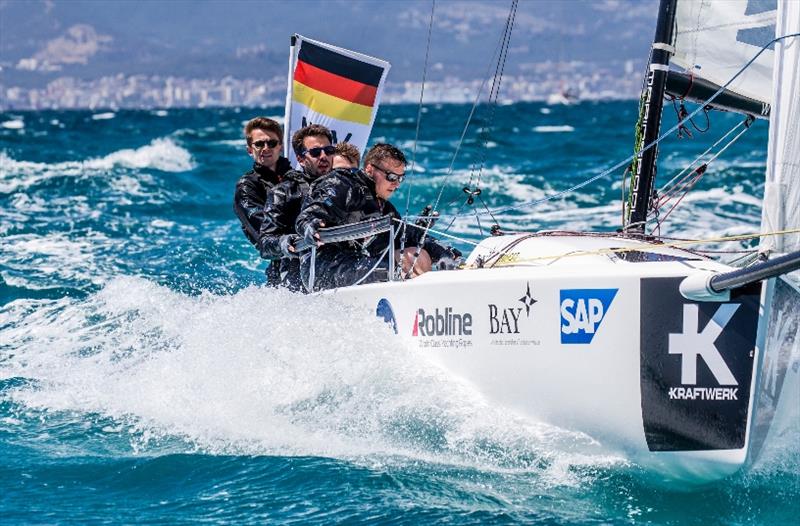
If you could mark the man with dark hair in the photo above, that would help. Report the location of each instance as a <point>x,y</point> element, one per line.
<point>264,145</point>
<point>349,196</point>
<point>312,146</point>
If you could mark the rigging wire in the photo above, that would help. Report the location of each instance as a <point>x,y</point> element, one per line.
<point>677,244</point>
<point>466,127</point>
<point>419,109</point>
<point>494,92</point>
<point>502,46</point>
<point>419,120</point>
<point>630,158</point>
<point>667,187</point>
<point>472,112</point>
<point>688,186</point>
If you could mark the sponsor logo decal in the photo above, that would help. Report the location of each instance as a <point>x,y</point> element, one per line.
<point>696,366</point>
<point>443,328</point>
<point>442,323</point>
<point>386,313</point>
<point>693,345</point>
<point>507,321</point>
<point>582,312</point>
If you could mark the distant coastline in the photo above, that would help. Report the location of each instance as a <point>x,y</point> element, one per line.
<point>614,82</point>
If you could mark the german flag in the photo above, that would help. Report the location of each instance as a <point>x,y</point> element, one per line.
<point>334,84</point>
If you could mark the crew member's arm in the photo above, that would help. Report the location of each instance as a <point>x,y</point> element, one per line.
<point>328,204</point>
<point>277,222</point>
<point>436,250</point>
<point>249,208</point>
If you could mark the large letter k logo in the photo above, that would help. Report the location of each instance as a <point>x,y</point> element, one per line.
<point>691,344</point>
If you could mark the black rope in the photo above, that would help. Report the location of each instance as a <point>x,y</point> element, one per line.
<point>494,92</point>
<point>471,190</point>
<point>419,120</point>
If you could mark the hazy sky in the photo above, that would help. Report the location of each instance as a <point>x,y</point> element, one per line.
<point>207,38</point>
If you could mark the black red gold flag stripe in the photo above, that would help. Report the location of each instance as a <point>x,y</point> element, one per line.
<point>339,64</point>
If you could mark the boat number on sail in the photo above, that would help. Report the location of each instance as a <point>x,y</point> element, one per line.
<point>696,366</point>
<point>582,312</point>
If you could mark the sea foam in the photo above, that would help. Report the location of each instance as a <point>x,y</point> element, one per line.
<point>267,372</point>
<point>160,154</point>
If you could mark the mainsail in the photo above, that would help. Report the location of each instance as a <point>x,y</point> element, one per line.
<point>714,39</point>
<point>335,87</point>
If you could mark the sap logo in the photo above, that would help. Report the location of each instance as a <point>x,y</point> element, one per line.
<point>447,323</point>
<point>693,343</point>
<point>582,311</point>
<point>506,320</point>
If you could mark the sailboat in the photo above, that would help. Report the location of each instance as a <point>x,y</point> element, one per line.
<point>675,359</point>
<point>565,96</point>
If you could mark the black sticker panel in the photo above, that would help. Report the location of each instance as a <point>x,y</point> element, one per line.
<point>696,367</point>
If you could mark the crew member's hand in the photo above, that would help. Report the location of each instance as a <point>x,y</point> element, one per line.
<point>287,245</point>
<point>450,261</point>
<point>311,235</point>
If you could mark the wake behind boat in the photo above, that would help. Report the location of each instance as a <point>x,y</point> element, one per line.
<point>650,347</point>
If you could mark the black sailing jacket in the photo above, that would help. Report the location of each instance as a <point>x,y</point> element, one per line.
<point>251,194</point>
<point>347,196</point>
<point>280,213</point>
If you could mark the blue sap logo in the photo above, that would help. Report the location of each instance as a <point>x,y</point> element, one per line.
<point>582,311</point>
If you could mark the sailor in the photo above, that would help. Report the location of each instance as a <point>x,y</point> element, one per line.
<point>349,195</point>
<point>263,138</point>
<point>276,239</point>
<point>346,156</point>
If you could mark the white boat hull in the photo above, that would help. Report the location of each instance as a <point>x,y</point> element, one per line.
<point>593,343</point>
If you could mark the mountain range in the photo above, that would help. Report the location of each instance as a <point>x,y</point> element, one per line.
<point>44,39</point>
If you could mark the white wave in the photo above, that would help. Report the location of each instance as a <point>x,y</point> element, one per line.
<point>162,223</point>
<point>57,258</point>
<point>545,111</point>
<point>236,143</point>
<point>265,372</point>
<point>161,113</point>
<point>13,124</point>
<point>103,116</point>
<point>554,129</point>
<point>160,154</point>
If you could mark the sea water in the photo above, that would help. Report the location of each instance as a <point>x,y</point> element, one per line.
<point>146,375</point>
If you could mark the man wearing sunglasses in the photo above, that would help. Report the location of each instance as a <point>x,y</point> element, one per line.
<point>348,195</point>
<point>263,136</point>
<point>312,145</point>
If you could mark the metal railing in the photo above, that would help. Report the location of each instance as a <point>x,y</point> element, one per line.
<point>351,232</point>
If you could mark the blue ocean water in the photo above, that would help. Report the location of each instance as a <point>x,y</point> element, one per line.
<point>147,376</point>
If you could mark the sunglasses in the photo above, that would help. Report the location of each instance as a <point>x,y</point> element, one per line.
<point>259,145</point>
<point>316,152</point>
<point>390,176</point>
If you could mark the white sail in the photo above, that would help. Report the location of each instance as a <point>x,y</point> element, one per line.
<point>782,190</point>
<point>715,38</point>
